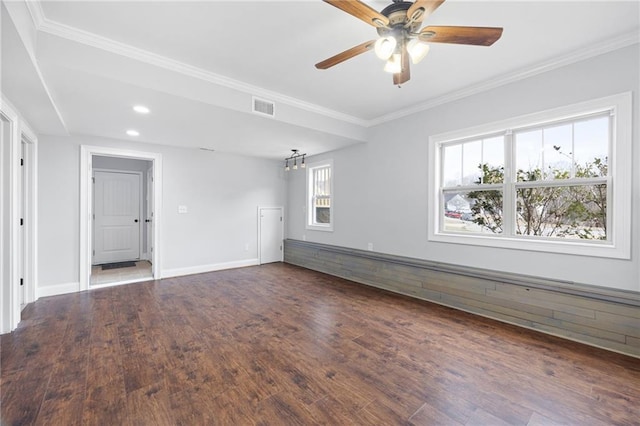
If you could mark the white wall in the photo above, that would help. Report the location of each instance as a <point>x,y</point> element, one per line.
<point>381,187</point>
<point>221,191</point>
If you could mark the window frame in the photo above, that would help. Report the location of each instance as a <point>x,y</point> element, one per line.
<point>619,181</point>
<point>309,223</point>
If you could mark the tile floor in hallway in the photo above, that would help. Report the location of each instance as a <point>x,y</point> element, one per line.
<point>140,271</point>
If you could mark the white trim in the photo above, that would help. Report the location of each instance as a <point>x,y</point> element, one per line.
<point>31,213</point>
<point>33,15</point>
<point>201,269</point>
<point>619,245</point>
<point>57,289</point>
<point>42,23</point>
<point>10,305</point>
<point>260,208</point>
<point>308,193</point>
<point>86,154</point>
<point>122,49</point>
<point>117,283</point>
<point>555,63</point>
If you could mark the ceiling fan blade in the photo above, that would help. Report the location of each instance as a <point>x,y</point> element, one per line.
<point>427,6</point>
<point>361,11</point>
<point>347,54</point>
<point>478,36</point>
<point>405,74</point>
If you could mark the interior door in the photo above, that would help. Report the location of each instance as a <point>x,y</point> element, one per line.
<point>117,217</point>
<point>270,234</point>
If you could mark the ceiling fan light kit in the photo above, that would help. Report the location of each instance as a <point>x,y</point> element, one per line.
<point>400,39</point>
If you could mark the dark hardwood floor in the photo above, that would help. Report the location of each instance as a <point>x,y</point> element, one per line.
<point>277,344</point>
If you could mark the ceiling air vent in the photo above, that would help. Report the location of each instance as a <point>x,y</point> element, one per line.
<point>264,107</point>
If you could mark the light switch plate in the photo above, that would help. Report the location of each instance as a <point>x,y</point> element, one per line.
<point>182,209</point>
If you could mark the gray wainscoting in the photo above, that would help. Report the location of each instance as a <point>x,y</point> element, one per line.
<point>597,316</point>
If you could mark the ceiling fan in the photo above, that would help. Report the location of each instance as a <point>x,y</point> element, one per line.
<point>401,40</point>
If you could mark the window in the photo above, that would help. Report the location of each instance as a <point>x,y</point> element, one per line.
<point>319,195</point>
<point>555,181</point>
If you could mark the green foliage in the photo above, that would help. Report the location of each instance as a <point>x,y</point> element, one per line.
<point>550,211</point>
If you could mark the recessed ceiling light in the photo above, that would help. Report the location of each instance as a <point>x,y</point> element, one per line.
<point>141,109</point>
<point>133,133</point>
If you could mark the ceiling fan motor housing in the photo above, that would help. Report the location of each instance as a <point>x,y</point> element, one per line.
<point>397,14</point>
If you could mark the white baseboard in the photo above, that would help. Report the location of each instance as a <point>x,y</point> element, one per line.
<point>178,272</point>
<point>54,290</point>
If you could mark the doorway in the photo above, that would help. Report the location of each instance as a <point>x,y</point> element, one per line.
<point>118,245</point>
<point>17,217</point>
<point>270,234</point>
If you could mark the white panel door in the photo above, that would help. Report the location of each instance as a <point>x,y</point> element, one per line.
<point>270,234</point>
<point>117,217</point>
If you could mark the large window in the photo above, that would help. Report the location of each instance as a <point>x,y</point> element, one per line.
<point>555,181</point>
<point>319,196</point>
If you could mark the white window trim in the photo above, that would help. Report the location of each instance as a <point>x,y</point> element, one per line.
<point>308,208</point>
<point>619,245</point>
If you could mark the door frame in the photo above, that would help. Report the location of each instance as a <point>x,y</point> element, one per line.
<point>86,205</point>
<point>260,208</point>
<point>140,207</point>
<point>19,131</point>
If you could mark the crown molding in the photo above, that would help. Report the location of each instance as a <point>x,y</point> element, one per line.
<point>42,23</point>
<point>558,62</point>
<point>122,49</point>
<point>37,14</point>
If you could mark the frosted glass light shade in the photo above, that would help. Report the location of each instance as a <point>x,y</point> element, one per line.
<point>384,47</point>
<point>417,50</point>
<point>394,64</point>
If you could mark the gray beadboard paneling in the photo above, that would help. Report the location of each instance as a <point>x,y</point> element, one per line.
<point>598,316</point>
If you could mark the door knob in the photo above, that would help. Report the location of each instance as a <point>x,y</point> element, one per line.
<point>135,220</point>
<point>147,220</point>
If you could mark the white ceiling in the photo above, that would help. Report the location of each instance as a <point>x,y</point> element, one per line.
<point>196,65</point>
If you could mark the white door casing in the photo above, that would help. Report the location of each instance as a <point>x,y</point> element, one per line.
<point>117,224</point>
<point>149,223</point>
<point>86,205</point>
<point>18,216</point>
<point>270,234</point>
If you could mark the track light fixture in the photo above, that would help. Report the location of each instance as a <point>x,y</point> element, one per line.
<point>294,157</point>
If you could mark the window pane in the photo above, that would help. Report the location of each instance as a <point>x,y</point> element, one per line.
<point>321,198</point>
<point>564,212</point>
<point>471,162</point>
<point>528,147</point>
<point>558,151</point>
<point>591,147</point>
<point>452,160</point>
<point>473,212</point>
<point>493,152</point>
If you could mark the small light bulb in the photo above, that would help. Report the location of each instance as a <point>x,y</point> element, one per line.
<point>384,47</point>
<point>417,50</point>
<point>394,64</point>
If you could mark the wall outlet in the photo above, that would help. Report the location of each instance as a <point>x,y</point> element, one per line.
<point>370,246</point>
<point>183,209</point>
<point>246,247</point>
<point>304,237</point>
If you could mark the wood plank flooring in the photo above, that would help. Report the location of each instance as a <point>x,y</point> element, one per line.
<point>278,344</point>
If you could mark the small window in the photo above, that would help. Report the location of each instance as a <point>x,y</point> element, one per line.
<point>543,182</point>
<point>319,195</point>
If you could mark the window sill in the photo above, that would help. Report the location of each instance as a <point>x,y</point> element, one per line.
<point>327,228</point>
<point>605,249</point>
